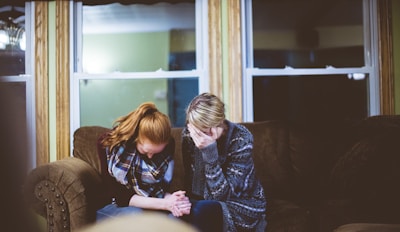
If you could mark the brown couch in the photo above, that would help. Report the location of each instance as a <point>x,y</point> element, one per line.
<point>317,177</point>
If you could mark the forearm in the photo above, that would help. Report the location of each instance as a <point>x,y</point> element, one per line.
<point>148,202</point>
<point>216,181</point>
<point>177,203</point>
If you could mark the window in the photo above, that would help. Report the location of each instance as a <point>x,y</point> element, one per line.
<point>126,54</point>
<point>310,60</point>
<point>16,78</point>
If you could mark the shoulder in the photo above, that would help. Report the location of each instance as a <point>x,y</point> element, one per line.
<point>239,132</point>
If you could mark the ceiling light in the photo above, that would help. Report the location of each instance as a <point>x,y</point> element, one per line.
<point>12,27</point>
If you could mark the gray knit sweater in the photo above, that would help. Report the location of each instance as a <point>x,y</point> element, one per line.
<point>224,171</point>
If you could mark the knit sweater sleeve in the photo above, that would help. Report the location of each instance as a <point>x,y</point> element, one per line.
<point>233,175</point>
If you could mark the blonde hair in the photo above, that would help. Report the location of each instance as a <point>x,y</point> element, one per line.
<point>205,111</point>
<point>146,122</point>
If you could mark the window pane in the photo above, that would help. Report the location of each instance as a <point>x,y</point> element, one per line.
<point>12,39</point>
<point>304,99</point>
<point>103,101</point>
<point>308,34</point>
<point>138,37</point>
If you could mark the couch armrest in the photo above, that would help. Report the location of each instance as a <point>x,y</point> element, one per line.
<point>65,192</point>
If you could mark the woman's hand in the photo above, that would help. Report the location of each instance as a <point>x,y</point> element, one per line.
<point>178,204</point>
<point>203,139</point>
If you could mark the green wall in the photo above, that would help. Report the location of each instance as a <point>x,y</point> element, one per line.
<point>102,101</point>
<point>128,52</point>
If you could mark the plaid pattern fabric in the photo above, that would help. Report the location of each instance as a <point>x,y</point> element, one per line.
<point>147,177</point>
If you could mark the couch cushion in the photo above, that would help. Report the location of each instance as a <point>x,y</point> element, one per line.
<point>285,216</point>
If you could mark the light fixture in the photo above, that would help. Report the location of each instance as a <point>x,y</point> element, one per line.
<point>12,28</point>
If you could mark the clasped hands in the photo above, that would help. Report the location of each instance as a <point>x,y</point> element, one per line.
<point>179,203</point>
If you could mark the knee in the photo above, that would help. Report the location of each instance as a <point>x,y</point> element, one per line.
<point>207,208</point>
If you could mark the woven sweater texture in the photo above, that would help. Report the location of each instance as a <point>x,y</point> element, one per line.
<point>224,171</point>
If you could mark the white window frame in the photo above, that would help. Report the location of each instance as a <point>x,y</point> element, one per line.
<point>77,74</point>
<point>370,68</point>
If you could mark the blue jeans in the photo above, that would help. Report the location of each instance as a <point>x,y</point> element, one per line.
<point>205,215</point>
<point>113,210</point>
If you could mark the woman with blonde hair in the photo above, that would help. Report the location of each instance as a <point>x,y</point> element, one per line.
<point>137,165</point>
<point>221,181</point>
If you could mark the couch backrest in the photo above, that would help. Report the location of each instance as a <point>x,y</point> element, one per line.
<point>286,159</point>
<point>280,155</point>
<point>85,144</point>
<point>368,169</point>
<point>178,176</point>
<point>271,155</point>
<point>293,162</point>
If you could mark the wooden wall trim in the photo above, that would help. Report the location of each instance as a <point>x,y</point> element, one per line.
<point>386,68</point>
<point>62,79</point>
<point>41,82</point>
<point>214,47</point>
<point>234,62</point>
